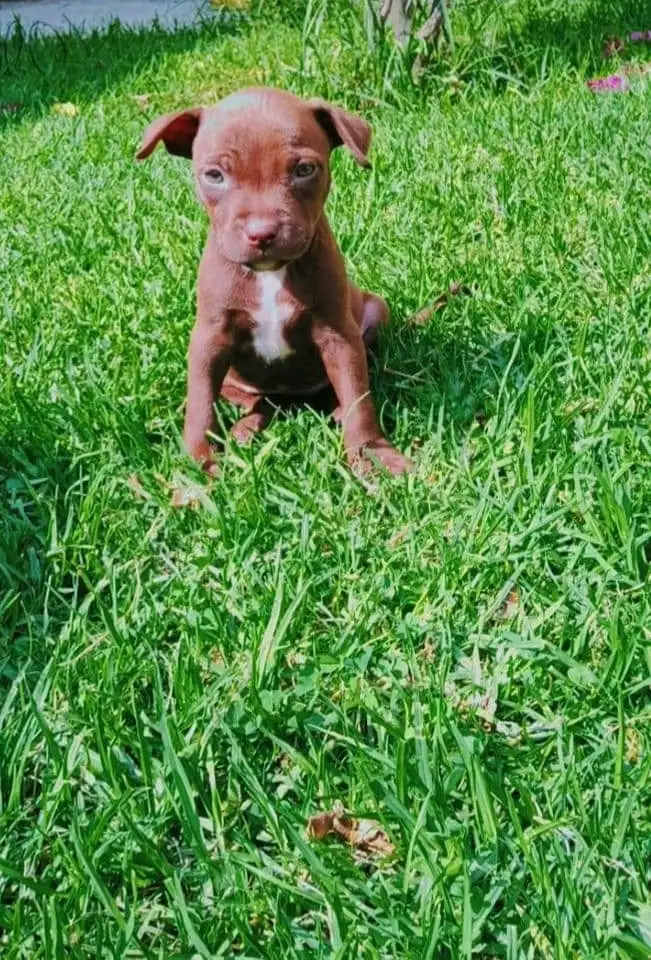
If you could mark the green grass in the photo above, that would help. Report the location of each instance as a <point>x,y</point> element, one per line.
<point>181,689</point>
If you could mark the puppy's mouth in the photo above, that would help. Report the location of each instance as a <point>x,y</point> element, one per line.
<point>262,265</point>
<point>278,254</point>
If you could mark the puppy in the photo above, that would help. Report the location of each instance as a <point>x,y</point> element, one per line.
<point>276,314</point>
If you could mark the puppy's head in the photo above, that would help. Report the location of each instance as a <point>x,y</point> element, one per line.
<point>260,160</point>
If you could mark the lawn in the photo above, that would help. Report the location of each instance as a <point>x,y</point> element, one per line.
<point>461,655</point>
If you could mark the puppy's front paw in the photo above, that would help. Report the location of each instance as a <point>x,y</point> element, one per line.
<point>245,429</point>
<point>205,456</point>
<point>381,451</point>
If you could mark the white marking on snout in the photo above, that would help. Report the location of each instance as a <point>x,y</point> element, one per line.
<point>271,316</point>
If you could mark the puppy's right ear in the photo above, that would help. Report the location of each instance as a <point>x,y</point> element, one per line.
<point>176,130</point>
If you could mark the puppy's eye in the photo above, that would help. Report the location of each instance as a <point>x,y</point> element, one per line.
<point>304,170</point>
<point>214,176</point>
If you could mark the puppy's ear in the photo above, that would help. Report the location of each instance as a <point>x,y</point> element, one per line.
<point>345,129</point>
<point>176,130</point>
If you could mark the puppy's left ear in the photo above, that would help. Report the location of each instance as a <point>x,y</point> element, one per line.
<point>345,129</point>
<point>176,130</point>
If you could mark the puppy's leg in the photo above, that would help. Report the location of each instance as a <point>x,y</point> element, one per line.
<point>257,411</point>
<point>208,361</point>
<point>344,358</point>
<point>371,313</point>
<point>246,399</point>
<point>253,422</point>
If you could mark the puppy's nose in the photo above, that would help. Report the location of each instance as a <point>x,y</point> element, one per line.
<point>260,231</point>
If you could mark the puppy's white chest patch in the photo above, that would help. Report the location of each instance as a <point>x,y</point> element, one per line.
<point>271,315</point>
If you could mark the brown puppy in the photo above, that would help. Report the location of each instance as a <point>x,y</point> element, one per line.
<point>276,313</point>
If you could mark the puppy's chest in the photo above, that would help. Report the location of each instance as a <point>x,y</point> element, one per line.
<point>273,315</point>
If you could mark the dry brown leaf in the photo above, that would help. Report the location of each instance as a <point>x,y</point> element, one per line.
<point>398,537</point>
<point>633,745</point>
<point>486,708</point>
<point>426,314</point>
<point>428,652</point>
<point>369,836</point>
<point>185,495</point>
<point>320,825</point>
<point>134,484</point>
<point>441,301</point>
<point>365,836</point>
<point>510,607</point>
<point>217,658</point>
<point>65,109</point>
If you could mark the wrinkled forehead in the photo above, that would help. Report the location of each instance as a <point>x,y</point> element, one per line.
<point>260,136</point>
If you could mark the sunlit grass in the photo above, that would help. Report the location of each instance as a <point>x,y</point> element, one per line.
<point>462,655</point>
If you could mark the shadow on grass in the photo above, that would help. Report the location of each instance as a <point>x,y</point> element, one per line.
<point>43,66</point>
<point>39,68</point>
<point>529,38</point>
<point>33,481</point>
<point>419,368</point>
<point>584,34</point>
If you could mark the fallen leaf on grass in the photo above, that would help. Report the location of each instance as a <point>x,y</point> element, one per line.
<point>398,537</point>
<point>633,745</point>
<point>365,836</point>
<point>65,109</point>
<point>217,658</point>
<point>134,484</point>
<point>441,301</point>
<point>428,652</point>
<point>369,836</point>
<point>186,494</point>
<point>320,825</point>
<point>510,607</point>
<point>486,707</point>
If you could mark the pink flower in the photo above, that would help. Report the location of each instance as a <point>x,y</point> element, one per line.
<point>612,84</point>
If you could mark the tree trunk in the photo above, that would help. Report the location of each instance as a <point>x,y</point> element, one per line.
<point>401,15</point>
